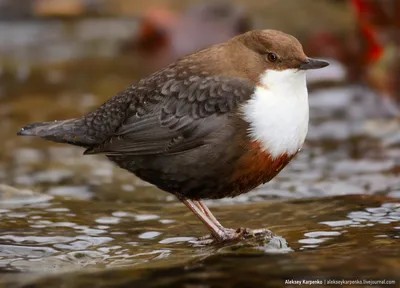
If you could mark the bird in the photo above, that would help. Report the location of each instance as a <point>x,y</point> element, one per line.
<point>214,124</point>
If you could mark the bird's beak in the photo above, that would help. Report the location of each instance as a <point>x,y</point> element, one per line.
<point>313,64</point>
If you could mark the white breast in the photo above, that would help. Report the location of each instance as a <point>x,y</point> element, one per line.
<point>278,111</point>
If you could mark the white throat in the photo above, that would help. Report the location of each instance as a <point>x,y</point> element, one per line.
<point>278,111</point>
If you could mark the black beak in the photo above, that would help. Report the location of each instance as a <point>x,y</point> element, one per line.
<point>313,64</point>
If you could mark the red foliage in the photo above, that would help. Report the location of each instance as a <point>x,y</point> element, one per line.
<point>370,16</point>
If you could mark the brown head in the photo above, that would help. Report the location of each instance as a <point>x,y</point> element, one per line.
<point>254,52</point>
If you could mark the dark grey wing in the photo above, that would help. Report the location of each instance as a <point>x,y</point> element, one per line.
<point>175,116</point>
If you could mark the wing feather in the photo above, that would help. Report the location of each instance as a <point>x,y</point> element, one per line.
<point>185,113</point>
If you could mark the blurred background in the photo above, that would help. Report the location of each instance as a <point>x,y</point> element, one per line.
<point>61,211</point>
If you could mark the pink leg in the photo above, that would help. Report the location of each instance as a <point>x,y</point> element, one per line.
<point>207,211</point>
<point>218,232</point>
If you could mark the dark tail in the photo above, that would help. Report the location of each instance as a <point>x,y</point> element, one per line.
<point>87,131</point>
<point>72,131</point>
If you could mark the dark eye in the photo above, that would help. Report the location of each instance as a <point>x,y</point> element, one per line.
<point>272,57</point>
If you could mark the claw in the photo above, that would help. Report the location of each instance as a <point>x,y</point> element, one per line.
<point>231,235</point>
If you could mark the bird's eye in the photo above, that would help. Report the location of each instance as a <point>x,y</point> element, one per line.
<point>272,57</point>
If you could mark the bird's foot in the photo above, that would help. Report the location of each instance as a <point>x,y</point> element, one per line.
<point>231,235</point>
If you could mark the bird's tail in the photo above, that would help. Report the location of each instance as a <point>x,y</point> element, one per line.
<point>72,131</point>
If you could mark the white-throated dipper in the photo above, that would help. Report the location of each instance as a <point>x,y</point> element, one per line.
<point>214,124</point>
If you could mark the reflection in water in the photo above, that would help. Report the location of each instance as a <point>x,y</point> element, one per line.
<point>64,236</point>
<point>317,237</point>
<point>172,240</point>
<point>386,214</point>
<point>149,235</point>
